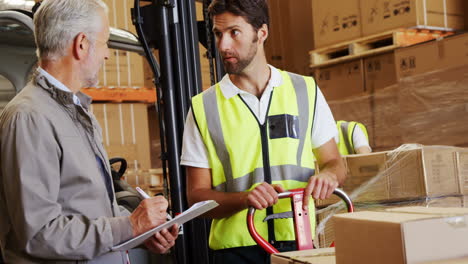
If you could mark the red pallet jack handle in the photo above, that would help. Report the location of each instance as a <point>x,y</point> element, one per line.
<point>300,217</point>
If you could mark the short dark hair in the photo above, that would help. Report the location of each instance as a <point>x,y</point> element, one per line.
<point>255,12</point>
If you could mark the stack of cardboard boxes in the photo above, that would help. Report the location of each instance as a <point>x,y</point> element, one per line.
<point>290,35</point>
<point>413,235</point>
<point>402,235</point>
<point>393,90</point>
<point>123,68</point>
<point>422,234</point>
<point>129,129</point>
<point>371,68</point>
<point>431,176</point>
<point>337,30</point>
<point>126,133</point>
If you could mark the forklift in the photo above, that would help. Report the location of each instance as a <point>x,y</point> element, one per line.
<point>171,27</point>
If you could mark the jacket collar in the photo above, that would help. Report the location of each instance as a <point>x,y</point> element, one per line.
<point>61,96</point>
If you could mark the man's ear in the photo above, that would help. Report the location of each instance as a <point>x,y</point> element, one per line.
<point>262,33</point>
<point>80,46</point>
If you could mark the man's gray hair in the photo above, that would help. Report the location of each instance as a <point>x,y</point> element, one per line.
<point>58,22</point>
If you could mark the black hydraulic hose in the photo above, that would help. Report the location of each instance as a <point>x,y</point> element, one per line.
<point>138,21</point>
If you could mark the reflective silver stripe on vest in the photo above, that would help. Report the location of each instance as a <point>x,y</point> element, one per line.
<point>278,173</point>
<point>303,106</point>
<point>213,121</point>
<point>344,130</point>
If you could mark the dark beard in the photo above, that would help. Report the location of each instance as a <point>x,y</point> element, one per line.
<point>237,68</point>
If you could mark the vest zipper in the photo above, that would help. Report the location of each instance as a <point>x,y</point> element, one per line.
<point>266,162</point>
<point>265,151</point>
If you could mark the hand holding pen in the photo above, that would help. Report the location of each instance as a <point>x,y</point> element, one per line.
<point>144,195</point>
<point>151,212</point>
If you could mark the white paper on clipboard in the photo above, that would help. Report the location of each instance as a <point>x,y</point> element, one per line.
<point>194,211</point>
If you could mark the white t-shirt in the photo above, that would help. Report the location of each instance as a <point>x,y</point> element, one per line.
<point>194,152</point>
<point>359,139</point>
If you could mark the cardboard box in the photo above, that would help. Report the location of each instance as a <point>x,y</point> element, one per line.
<point>380,71</point>
<point>418,59</point>
<point>463,260</point>
<point>314,256</point>
<point>341,80</point>
<point>326,233</point>
<point>427,171</point>
<point>453,51</point>
<point>395,237</point>
<point>125,132</point>
<point>462,166</point>
<point>333,25</point>
<point>274,45</point>
<point>123,68</point>
<point>439,94</point>
<point>443,211</point>
<point>387,69</point>
<point>290,35</point>
<point>151,177</point>
<point>302,35</point>
<point>383,15</point>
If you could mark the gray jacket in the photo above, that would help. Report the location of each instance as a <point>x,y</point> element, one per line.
<point>54,206</point>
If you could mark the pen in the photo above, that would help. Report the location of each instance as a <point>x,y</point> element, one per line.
<point>146,196</point>
<point>142,193</point>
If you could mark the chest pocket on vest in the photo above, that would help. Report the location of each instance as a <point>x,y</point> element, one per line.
<point>283,126</point>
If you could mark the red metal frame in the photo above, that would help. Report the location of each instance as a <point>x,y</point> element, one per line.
<point>300,217</point>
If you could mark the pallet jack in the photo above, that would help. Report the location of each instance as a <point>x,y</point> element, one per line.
<point>300,217</point>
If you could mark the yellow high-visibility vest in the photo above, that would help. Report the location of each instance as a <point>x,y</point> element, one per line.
<point>243,153</point>
<point>345,132</point>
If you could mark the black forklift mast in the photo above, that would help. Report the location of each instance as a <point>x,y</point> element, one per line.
<point>171,28</point>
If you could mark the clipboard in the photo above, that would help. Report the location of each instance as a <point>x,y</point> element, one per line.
<point>189,214</point>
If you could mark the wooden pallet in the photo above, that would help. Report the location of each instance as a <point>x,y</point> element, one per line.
<point>118,95</point>
<point>372,45</point>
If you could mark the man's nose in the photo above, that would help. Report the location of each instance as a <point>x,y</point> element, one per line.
<point>224,43</point>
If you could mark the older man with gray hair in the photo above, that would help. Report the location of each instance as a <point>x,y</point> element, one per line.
<point>57,203</point>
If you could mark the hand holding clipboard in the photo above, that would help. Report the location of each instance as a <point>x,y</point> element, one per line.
<point>194,211</point>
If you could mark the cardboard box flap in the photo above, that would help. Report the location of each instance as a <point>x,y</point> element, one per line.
<point>430,210</point>
<point>310,253</point>
<point>400,237</point>
<point>423,239</point>
<point>463,260</point>
<point>355,238</point>
<point>313,256</point>
<point>387,217</point>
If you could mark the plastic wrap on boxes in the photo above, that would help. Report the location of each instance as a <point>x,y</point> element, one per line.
<point>325,233</point>
<point>411,171</point>
<point>411,175</point>
<point>434,107</point>
<point>429,108</point>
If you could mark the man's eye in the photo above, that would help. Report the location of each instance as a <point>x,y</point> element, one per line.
<point>217,34</point>
<point>235,32</point>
